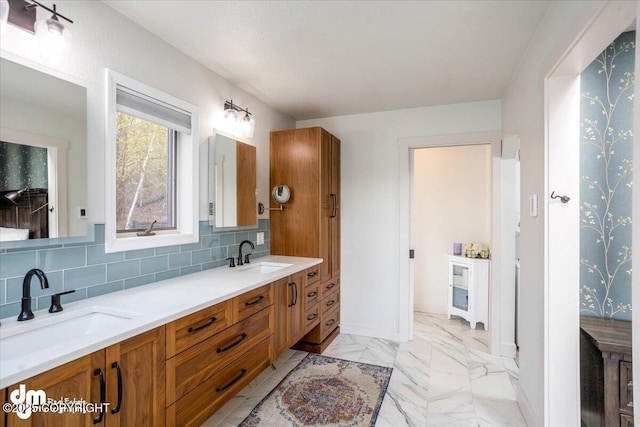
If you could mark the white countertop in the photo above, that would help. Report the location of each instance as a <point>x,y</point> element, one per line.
<point>150,306</point>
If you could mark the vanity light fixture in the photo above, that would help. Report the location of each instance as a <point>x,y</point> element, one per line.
<point>4,15</point>
<point>244,126</point>
<point>53,35</point>
<point>15,196</point>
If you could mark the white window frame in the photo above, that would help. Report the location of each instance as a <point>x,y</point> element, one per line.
<point>187,230</point>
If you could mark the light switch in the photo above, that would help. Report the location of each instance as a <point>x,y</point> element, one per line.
<point>533,205</point>
<point>260,238</point>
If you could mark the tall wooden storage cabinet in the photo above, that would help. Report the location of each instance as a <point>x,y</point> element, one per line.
<point>308,162</point>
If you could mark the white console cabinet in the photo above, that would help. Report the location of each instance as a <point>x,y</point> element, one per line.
<point>469,289</point>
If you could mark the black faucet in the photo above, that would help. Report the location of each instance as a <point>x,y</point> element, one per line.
<point>26,313</point>
<point>246,257</point>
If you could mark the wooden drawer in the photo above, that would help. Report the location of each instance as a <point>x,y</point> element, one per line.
<point>312,294</point>
<point>330,302</point>
<point>312,317</point>
<point>252,302</point>
<point>193,366</point>
<point>197,327</point>
<point>313,274</point>
<point>329,287</point>
<point>626,387</point>
<point>328,322</point>
<point>626,420</point>
<point>198,405</point>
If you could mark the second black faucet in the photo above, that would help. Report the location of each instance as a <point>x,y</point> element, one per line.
<point>246,257</point>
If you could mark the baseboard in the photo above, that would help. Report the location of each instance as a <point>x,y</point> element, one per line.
<point>373,333</point>
<point>508,349</point>
<point>429,308</point>
<point>525,407</point>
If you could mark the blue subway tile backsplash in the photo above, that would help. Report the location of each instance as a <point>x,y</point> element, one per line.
<point>91,272</point>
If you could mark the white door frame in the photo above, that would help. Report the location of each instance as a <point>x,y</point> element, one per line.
<point>561,240</point>
<point>405,153</point>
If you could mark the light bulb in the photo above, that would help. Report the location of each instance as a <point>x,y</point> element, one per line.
<point>53,37</point>
<point>248,125</point>
<point>4,15</point>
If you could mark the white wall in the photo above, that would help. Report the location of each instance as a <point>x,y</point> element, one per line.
<point>104,38</point>
<point>452,203</point>
<point>370,214</point>
<point>523,114</point>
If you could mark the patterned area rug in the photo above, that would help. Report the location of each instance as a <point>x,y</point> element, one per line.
<point>324,391</point>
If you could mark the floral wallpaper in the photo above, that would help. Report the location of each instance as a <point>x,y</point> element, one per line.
<point>22,166</point>
<point>606,132</point>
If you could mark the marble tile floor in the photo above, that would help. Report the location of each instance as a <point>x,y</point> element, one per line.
<point>444,377</point>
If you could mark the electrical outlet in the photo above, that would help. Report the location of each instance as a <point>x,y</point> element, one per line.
<point>82,212</point>
<point>260,238</point>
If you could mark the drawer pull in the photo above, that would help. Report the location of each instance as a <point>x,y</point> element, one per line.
<point>312,294</point>
<point>233,381</point>
<point>314,316</point>
<point>630,404</point>
<point>330,322</point>
<point>330,286</point>
<point>630,384</point>
<point>233,344</point>
<point>330,303</point>
<point>103,396</point>
<point>209,323</point>
<point>255,301</point>
<point>314,273</point>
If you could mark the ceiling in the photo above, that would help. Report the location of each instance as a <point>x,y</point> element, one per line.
<point>313,59</point>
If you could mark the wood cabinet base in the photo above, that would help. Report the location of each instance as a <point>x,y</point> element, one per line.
<point>199,404</point>
<point>317,348</point>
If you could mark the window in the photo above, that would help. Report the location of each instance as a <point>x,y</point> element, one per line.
<point>151,167</point>
<point>145,169</point>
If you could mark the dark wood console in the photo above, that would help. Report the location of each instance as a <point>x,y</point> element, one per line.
<point>606,387</point>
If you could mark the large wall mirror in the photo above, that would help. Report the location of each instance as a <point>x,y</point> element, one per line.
<point>43,156</point>
<point>232,183</point>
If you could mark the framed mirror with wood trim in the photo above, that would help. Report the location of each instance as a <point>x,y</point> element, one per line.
<point>232,183</point>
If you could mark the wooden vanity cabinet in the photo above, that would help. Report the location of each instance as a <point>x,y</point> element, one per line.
<point>231,345</point>
<point>290,320</point>
<point>136,363</point>
<point>308,161</point>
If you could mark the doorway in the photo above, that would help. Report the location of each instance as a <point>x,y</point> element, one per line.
<point>452,203</point>
<point>501,308</point>
<point>562,226</point>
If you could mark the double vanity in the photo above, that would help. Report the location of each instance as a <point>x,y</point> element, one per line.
<point>170,353</point>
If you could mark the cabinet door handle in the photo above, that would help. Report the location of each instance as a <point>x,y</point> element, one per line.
<point>314,316</point>
<point>255,301</point>
<point>233,344</point>
<point>314,273</point>
<point>312,294</point>
<point>119,375</point>
<point>291,303</point>
<point>295,290</point>
<point>334,205</point>
<point>233,381</point>
<point>205,325</point>
<point>103,396</point>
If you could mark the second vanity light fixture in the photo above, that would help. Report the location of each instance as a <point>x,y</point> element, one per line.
<point>243,126</point>
<point>53,35</point>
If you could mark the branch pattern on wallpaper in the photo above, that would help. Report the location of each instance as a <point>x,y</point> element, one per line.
<point>606,171</point>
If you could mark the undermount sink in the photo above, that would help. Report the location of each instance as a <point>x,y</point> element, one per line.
<point>48,332</point>
<point>264,267</point>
